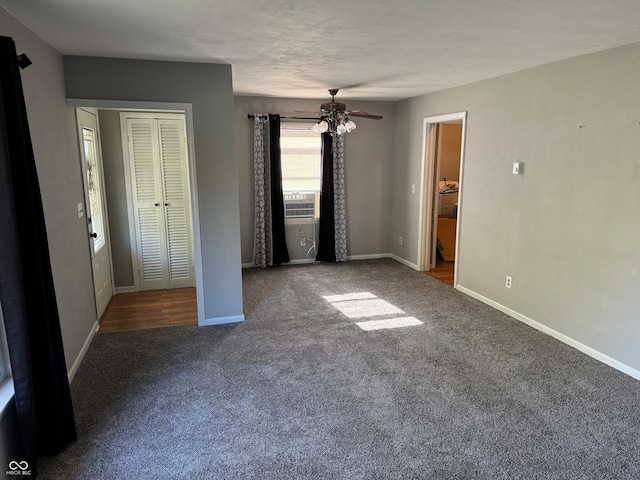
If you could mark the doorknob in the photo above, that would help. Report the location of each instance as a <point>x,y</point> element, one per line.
<point>157,204</point>
<point>166,204</point>
<point>94,235</point>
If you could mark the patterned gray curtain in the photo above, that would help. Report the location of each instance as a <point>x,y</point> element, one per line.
<point>270,246</point>
<point>339,199</point>
<point>262,247</point>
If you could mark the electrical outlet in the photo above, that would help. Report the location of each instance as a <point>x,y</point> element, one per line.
<point>508,282</point>
<point>400,240</point>
<point>303,242</point>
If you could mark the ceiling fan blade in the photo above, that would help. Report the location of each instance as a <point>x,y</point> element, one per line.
<point>358,113</point>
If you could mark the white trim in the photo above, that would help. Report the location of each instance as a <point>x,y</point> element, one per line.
<point>632,372</point>
<point>83,352</point>
<point>403,261</point>
<point>370,256</point>
<point>301,220</point>
<point>299,261</point>
<point>128,289</point>
<point>187,108</point>
<point>133,244</point>
<point>195,213</point>
<point>427,185</point>
<point>221,320</point>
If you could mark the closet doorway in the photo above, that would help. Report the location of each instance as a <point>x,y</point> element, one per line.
<point>440,203</point>
<point>156,170</point>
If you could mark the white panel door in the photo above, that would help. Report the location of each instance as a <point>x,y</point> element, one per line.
<point>160,202</point>
<point>176,202</point>
<point>92,175</point>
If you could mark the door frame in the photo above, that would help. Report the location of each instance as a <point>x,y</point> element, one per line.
<point>107,234</point>
<point>427,189</point>
<point>187,109</point>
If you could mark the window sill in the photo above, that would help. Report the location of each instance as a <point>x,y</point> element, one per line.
<point>6,394</point>
<point>300,220</point>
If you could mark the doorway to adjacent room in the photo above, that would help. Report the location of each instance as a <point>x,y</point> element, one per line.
<point>440,205</point>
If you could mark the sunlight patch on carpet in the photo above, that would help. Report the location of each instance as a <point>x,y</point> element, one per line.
<point>389,323</point>
<point>366,305</point>
<point>349,296</point>
<point>370,307</point>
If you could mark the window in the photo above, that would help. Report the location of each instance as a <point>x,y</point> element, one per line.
<point>93,185</point>
<point>3,350</point>
<point>301,155</point>
<point>6,384</point>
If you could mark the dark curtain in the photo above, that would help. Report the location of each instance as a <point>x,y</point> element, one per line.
<point>280,251</point>
<point>42,396</point>
<point>327,228</point>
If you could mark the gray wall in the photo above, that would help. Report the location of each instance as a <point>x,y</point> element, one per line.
<point>207,87</point>
<point>115,187</point>
<point>55,145</point>
<point>368,174</point>
<point>567,230</point>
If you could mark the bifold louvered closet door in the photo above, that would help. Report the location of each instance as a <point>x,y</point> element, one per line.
<point>158,176</point>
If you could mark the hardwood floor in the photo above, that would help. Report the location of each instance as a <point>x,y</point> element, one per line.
<point>443,272</point>
<point>150,309</point>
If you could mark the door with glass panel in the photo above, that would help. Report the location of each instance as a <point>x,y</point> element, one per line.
<point>95,206</point>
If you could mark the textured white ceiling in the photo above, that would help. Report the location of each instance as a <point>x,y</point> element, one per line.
<point>372,49</point>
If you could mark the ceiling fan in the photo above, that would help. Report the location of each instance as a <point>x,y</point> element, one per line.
<point>334,116</point>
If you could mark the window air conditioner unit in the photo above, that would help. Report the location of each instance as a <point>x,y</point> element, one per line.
<point>299,205</point>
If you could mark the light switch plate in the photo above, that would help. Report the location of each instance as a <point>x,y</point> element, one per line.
<point>518,168</point>
<point>80,210</point>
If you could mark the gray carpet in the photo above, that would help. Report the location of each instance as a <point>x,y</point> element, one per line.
<point>299,391</point>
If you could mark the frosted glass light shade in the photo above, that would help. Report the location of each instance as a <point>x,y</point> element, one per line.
<point>321,127</point>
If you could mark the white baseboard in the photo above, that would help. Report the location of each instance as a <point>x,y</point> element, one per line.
<point>632,372</point>
<point>300,261</point>
<point>221,320</point>
<point>370,256</point>
<point>403,261</point>
<point>297,261</point>
<point>83,352</point>
<point>128,289</point>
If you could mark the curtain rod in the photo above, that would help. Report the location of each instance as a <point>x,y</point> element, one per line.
<point>23,61</point>
<point>252,115</point>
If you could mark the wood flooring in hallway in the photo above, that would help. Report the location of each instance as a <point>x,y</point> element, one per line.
<point>150,309</point>
<point>443,272</point>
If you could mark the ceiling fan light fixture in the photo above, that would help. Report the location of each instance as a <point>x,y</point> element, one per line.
<point>334,117</point>
<point>321,127</point>
<point>350,126</point>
